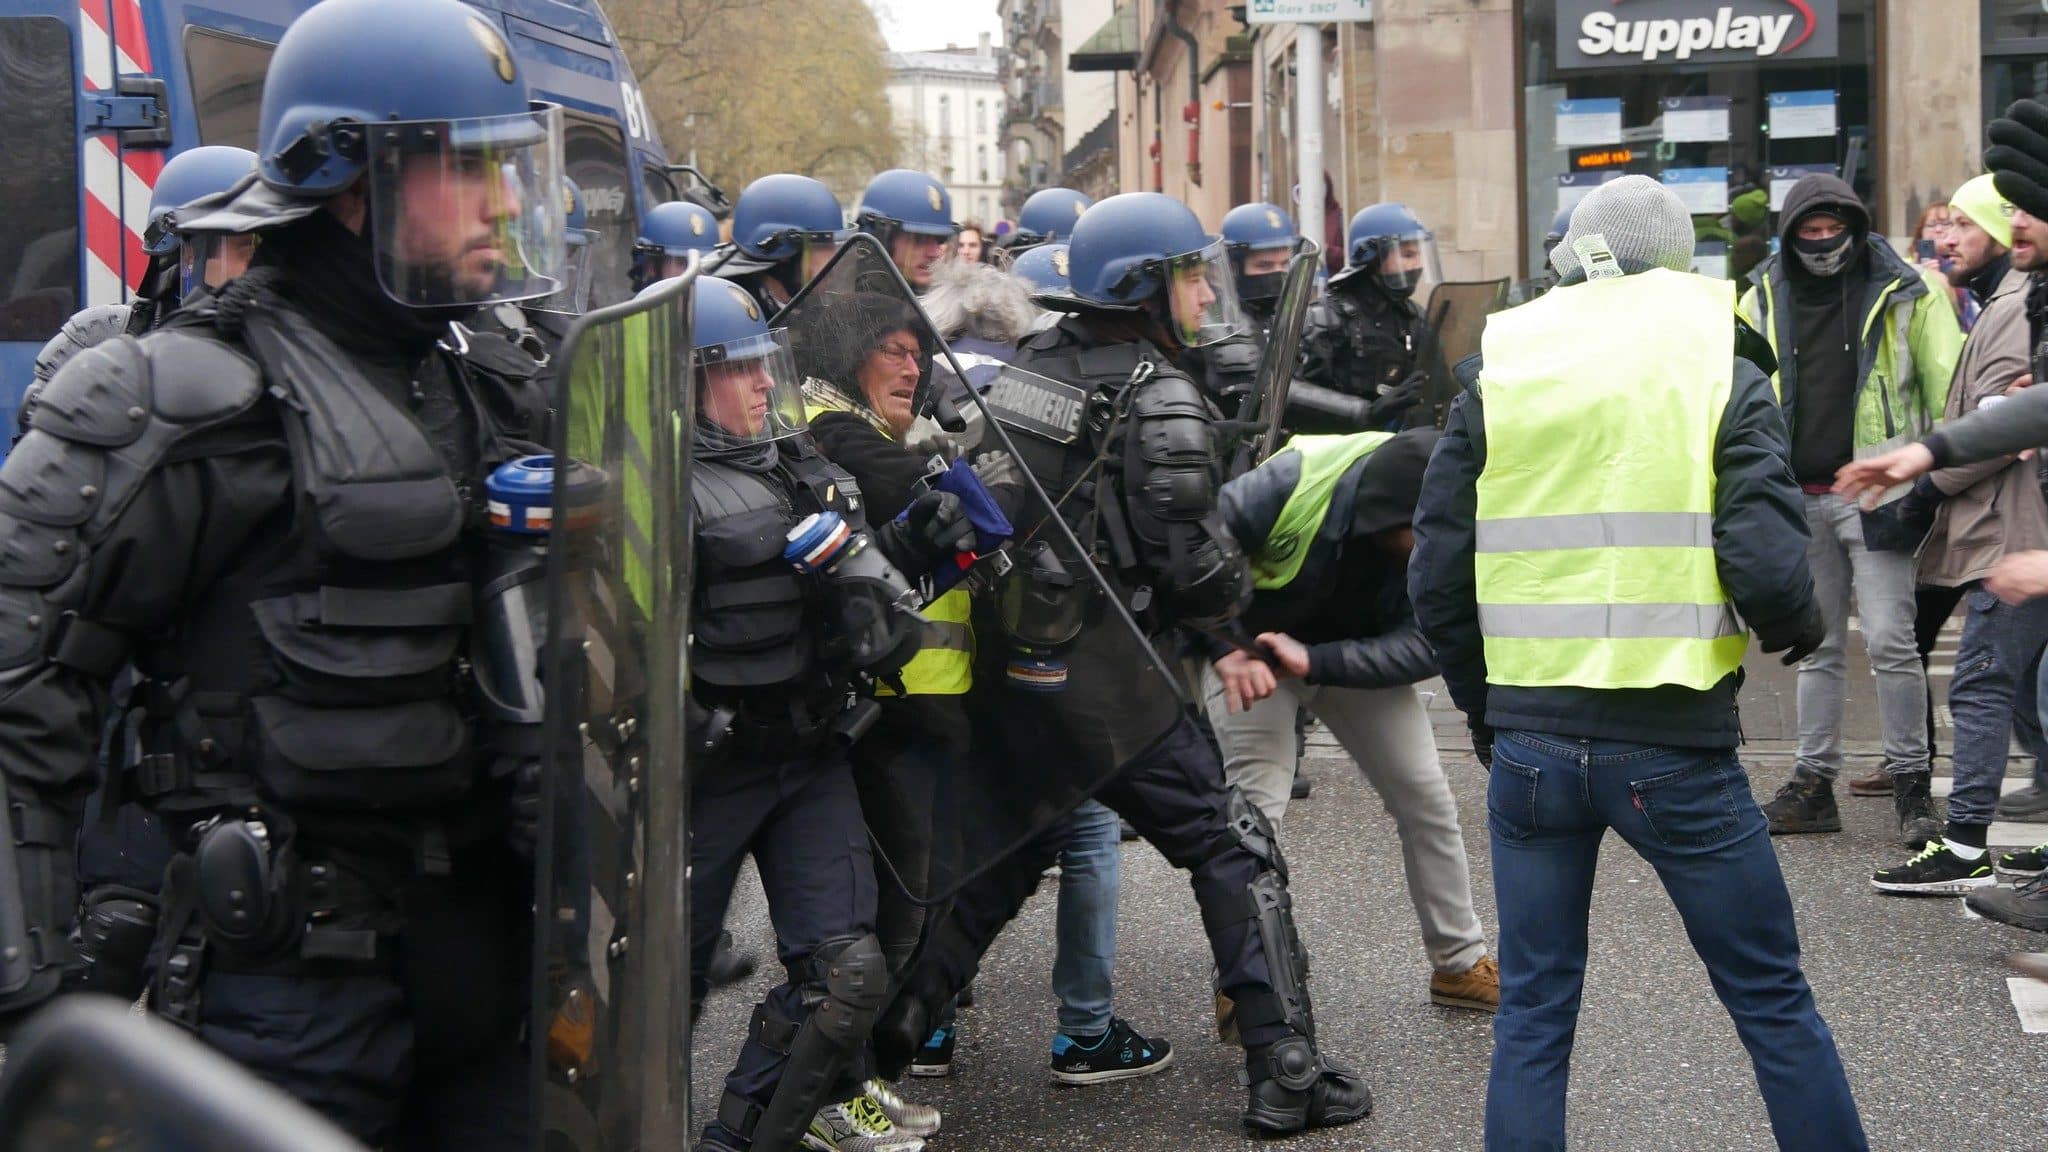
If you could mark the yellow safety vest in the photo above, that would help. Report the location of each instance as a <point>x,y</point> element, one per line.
<point>944,664</point>
<point>1324,461</point>
<point>1595,527</point>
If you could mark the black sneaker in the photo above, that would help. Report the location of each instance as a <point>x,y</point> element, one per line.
<point>1301,787</point>
<point>2023,907</point>
<point>1805,804</point>
<point>936,1057</point>
<point>1936,871</point>
<point>2024,864</point>
<point>1119,1054</point>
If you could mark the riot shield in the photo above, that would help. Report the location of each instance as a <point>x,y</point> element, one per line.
<point>90,1074</point>
<point>1056,713</point>
<point>1456,314</point>
<point>1283,345</point>
<point>611,1000</point>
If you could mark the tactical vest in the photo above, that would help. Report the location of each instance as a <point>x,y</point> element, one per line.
<point>328,672</point>
<point>1595,525</point>
<point>757,622</point>
<point>1324,461</point>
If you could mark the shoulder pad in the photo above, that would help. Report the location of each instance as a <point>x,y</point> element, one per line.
<point>1170,392</point>
<point>90,328</point>
<point>1754,347</point>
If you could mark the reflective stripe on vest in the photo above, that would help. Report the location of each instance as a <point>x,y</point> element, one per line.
<point>1594,537</point>
<point>944,664</point>
<point>1324,460</point>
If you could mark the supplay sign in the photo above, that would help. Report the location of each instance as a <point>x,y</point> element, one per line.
<point>1627,33</point>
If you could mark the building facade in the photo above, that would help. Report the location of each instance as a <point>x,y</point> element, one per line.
<point>1051,107</point>
<point>1487,116</point>
<point>949,107</point>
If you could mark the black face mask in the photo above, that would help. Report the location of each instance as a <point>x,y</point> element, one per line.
<point>1825,257</point>
<point>1400,285</point>
<point>1261,287</point>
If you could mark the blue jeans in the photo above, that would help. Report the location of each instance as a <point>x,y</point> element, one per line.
<point>1998,642</point>
<point>1689,813</point>
<point>1084,967</point>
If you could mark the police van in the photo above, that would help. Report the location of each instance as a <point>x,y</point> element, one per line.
<point>96,94</point>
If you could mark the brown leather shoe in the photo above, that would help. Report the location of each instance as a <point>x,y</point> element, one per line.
<point>1226,1021</point>
<point>1477,988</point>
<point>1878,783</point>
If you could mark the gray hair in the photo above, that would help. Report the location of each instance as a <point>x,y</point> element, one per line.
<point>979,301</point>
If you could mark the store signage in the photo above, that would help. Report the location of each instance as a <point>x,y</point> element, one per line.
<point>1626,33</point>
<point>1307,11</point>
<point>1591,159</point>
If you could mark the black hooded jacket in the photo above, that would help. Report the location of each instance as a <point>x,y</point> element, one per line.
<point>1349,602</point>
<point>1826,319</point>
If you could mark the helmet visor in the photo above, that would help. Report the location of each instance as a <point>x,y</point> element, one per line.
<point>207,260</point>
<point>468,211</point>
<point>748,390</point>
<point>1407,260</point>
<point>1202,297</point>
<point>573,297</point>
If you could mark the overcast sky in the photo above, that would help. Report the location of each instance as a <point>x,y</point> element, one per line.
<point>916,25</point>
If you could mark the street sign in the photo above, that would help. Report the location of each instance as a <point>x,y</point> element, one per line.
<point>1307,11</point>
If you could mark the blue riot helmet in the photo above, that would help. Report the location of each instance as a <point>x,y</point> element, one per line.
<point>1047,216</point>
<point>668,235</point>
<point>1045,268</point>
<point>204,259</point>
<point>1261,239</point>
<point>1390,247</point>
<point>791,222</point>
<point>748,390</point>
<point>1145,252</point>
<point>421,107</point>
<point>580,246</point>
<point>1559,225</point>
<point>912,214</point>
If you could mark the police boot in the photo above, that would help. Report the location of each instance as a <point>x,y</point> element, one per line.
<point>1913,801</point>
<point>729,965</point>
<point>1294,1089</point>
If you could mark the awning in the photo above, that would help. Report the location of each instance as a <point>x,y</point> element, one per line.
<point>1113,47</point>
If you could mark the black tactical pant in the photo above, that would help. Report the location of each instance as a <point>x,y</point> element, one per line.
<point>1174,794</point>
<point>421,1050</point>
<point>800,820</point>
<point>903,768</point>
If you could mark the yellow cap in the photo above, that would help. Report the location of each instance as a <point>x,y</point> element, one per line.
<point>1981,202</point>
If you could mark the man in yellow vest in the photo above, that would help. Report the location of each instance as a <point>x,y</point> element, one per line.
<point>1607,516</point>
<point>1325,523</point>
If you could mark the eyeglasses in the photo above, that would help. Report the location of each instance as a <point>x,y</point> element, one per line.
<point>899,353</point>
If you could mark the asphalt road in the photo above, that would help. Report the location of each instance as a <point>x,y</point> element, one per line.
<point>1915,990</point>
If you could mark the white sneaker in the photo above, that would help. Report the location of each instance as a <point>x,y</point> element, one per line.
<point>858,1125</point>
<point>909,1118</point>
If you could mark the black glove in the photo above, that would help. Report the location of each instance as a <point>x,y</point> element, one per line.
<point>1812,631</point>
<point>524,830</point>
<point>1918,506</point>
<point>935,528</point>
<point>1482,743</point>
<point>1396,399</point>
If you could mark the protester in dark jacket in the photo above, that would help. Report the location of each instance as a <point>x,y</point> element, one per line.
<point>1330,559</point>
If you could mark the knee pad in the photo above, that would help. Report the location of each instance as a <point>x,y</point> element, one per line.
<point>1251,831</point>
<point>849,983</point>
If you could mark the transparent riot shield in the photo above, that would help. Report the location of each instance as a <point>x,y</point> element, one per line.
<point>1267,405</point>
<point>1067,687</point>
<point>1456,315</point>
<point>89,1074</point>
<point>611,999</point>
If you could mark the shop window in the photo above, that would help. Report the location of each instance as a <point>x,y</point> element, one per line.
<point>2015,53</point>
<point>1729,127</point>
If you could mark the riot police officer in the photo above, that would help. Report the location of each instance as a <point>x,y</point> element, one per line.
<point>181,263</point>
<point>1102,415</point>
<point>301,457</point>
<point>785,229</point>
<point>1363,336</point>
<point>1260,239</point>
<point>799,608</point>
<point>668,235</point>
<point>1047,217</point>
<point>912,215</point>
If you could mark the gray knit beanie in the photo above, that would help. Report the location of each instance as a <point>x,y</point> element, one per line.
<point>1645,226</point>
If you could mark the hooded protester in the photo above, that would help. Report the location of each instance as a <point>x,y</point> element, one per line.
<point>1865,345</point>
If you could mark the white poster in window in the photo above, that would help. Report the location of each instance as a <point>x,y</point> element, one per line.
<point>1783,178</point>
<point>1586,123</point>
<point>1710,258</point>
<point>1703,191</point>
<point>1573,187</point>
<point>1695,119</point>
<point>1799,115</point>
